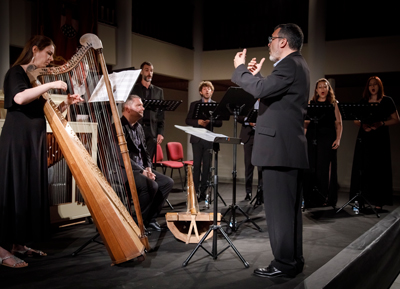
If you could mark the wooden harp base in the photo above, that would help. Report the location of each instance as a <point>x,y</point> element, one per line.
<point>190,228</point>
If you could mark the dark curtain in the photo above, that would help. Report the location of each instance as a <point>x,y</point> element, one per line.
<point>65,21</point>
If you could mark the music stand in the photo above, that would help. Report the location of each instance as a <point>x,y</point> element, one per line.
<point>161,105</point>
<point>216,139</point>
<point>235,102</point>
<point>205,110</point>
<point>364,112</point>
<point>316,112</point>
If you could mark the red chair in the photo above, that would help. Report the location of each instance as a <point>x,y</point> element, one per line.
<point>175,153</point>
<point>164,165</point>
<point>159,162</point>
<point>168,164</point>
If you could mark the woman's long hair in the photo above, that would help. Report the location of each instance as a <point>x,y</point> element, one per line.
<point>331,95</point>
<point>367,93</point>
<point>26,55</point>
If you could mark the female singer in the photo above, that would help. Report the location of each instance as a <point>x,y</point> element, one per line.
<point>24,209</point>
<point>323,141</point>
<point>372,166</point>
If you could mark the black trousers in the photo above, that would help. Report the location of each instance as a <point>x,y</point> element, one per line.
<point>202,153</point>
<point>282,202</point>
<point>249,168</point>
<point>152,194</point>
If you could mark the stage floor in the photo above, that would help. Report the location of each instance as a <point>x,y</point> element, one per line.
<point>325,234</point>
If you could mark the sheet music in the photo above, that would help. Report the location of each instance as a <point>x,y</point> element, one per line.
<point>121,84</point>
<point>202,133</point>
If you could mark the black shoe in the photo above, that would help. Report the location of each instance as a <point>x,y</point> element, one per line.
<point>201,198</point>
<point>270,272</point>
<point>147,232</point>
<point>248,197</point>
<point>154,225</point>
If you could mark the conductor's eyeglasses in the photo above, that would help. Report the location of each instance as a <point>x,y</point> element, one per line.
<point>271,38</point>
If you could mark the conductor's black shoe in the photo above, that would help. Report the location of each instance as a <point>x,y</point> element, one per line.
<point>270,272</point>
<point>202,197</point>
<point>248,197</point>
<point>154,225</point>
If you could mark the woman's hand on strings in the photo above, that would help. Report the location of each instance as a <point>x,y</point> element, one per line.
<point>73,98</point>
<point>59,84</point>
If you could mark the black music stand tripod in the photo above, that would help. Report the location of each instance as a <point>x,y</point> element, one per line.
<point>205,110</point>
<point>315,113</point>
<point>364,113</point>
<point>91,240</point>
<point>235,102</point>
<point>215,227</point>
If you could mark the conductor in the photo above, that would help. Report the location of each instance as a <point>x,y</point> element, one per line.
<point>280,146</point>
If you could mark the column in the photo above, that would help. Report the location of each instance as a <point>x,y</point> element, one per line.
<point>124,34</point>
<point>193,89</point>
<point>316,41</point>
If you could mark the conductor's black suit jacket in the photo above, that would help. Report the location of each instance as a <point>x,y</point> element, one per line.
<point>279,139</point>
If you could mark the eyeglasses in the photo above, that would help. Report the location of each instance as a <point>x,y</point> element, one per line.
<point>271,38</point>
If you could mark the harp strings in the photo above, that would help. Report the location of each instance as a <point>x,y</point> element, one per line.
<point>82,79</point>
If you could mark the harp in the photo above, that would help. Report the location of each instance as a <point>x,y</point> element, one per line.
<point>183,224</point>
<point>101,182</point>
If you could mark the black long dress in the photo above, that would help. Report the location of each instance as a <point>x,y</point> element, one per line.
<point>372,165</point>
<point>320,185</point>
<point>24,210</point>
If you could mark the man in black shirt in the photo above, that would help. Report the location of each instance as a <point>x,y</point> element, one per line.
<point>201,148</point>
<point>153,120</point>
<point>152,187</point>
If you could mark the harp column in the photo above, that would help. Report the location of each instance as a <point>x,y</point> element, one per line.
<point>193,93</point>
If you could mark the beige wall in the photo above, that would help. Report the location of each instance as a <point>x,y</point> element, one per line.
<point>343,57</point>
<point>348,56</point>
<point>168,59</point>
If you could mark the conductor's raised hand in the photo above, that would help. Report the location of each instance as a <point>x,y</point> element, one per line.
<point>240,58</point>
<point>255,67</point>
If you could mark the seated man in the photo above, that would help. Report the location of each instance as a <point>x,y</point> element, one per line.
<point>152,187</point>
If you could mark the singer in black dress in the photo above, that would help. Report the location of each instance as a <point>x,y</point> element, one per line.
<point>323,137</point>
<point>372,165</point>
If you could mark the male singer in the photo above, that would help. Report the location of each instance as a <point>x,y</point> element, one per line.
<point>201,148</point>
<point>153,121</point>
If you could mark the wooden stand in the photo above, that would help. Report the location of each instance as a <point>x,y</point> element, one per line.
<point>183,224</point>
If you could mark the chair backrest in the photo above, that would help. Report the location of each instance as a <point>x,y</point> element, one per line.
<point>159,154</point>
<point>174,151</point>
